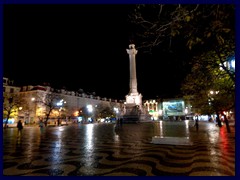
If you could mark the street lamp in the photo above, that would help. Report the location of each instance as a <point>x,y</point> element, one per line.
<point>211,94</point>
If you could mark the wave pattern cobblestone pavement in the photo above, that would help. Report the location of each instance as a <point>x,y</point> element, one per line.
<point>104,150</point>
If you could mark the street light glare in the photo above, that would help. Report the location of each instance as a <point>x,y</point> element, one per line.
<point>90,108</point>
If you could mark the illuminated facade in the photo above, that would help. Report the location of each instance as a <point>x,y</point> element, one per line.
<point>74,101</point>
<point>31,109</point>
<point>169,109</point>
<point>152,107</point>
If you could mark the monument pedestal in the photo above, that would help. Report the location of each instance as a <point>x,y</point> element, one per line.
<point>132,113</point>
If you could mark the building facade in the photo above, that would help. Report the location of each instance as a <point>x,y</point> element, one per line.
<point>37,96</point>
<point>169,109</point>
<point>34,103</point>
<point>8,86</point>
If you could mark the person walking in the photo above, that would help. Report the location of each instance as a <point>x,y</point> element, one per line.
<point>20,127</point>
<point>226,122</point>
<point>219,123</point>
<point>196,123</point>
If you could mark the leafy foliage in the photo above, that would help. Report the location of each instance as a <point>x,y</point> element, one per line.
<point>208,24</point>
<point>11,104</point>
<point>207,76</point>
<point>208,31</point>
<point>104,112</point>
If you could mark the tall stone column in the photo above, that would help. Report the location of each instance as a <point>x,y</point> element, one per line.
<point>134,111</point>
<point>133,77</point>
<point>133,98</point>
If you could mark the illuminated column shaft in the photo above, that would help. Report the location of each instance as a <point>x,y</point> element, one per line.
<point>133,78</point>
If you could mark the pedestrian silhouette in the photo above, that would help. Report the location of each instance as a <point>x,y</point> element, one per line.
<point>20,127</point>
<point>121,122</point>
<point>227,123</point>
<point>219,123</point>
<point>196,123</point>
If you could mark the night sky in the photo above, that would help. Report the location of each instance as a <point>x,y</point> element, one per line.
<point>84,47</point>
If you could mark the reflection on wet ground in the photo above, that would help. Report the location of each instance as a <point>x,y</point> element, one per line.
<point>107,150</point>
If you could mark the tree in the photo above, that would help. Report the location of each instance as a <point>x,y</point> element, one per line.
<point>102,111</point>
<point>208,31</point>
<point>50,101</point>
<point>83,111</point>
<point>212,87</point>
<point>11,106</point>
<point>205,24</point>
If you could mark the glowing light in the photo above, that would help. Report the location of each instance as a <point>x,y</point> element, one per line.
<point>187,123</point>
<point>10,121</point>
<point>60,103</point>
<point>76,113</point>
<point>90,108</point>
<point>160,112</point>
<point>79,119</point>
<point>233,63</point>
<point>116,110</point>
<point>89,134</point>
<point>161,129</point>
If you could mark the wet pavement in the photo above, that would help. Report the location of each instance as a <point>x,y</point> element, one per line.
<point>104,150</point>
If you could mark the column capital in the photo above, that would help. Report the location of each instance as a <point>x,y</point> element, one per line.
<point>132,50</point>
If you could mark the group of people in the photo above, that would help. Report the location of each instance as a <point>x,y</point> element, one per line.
<point>20,127</point>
